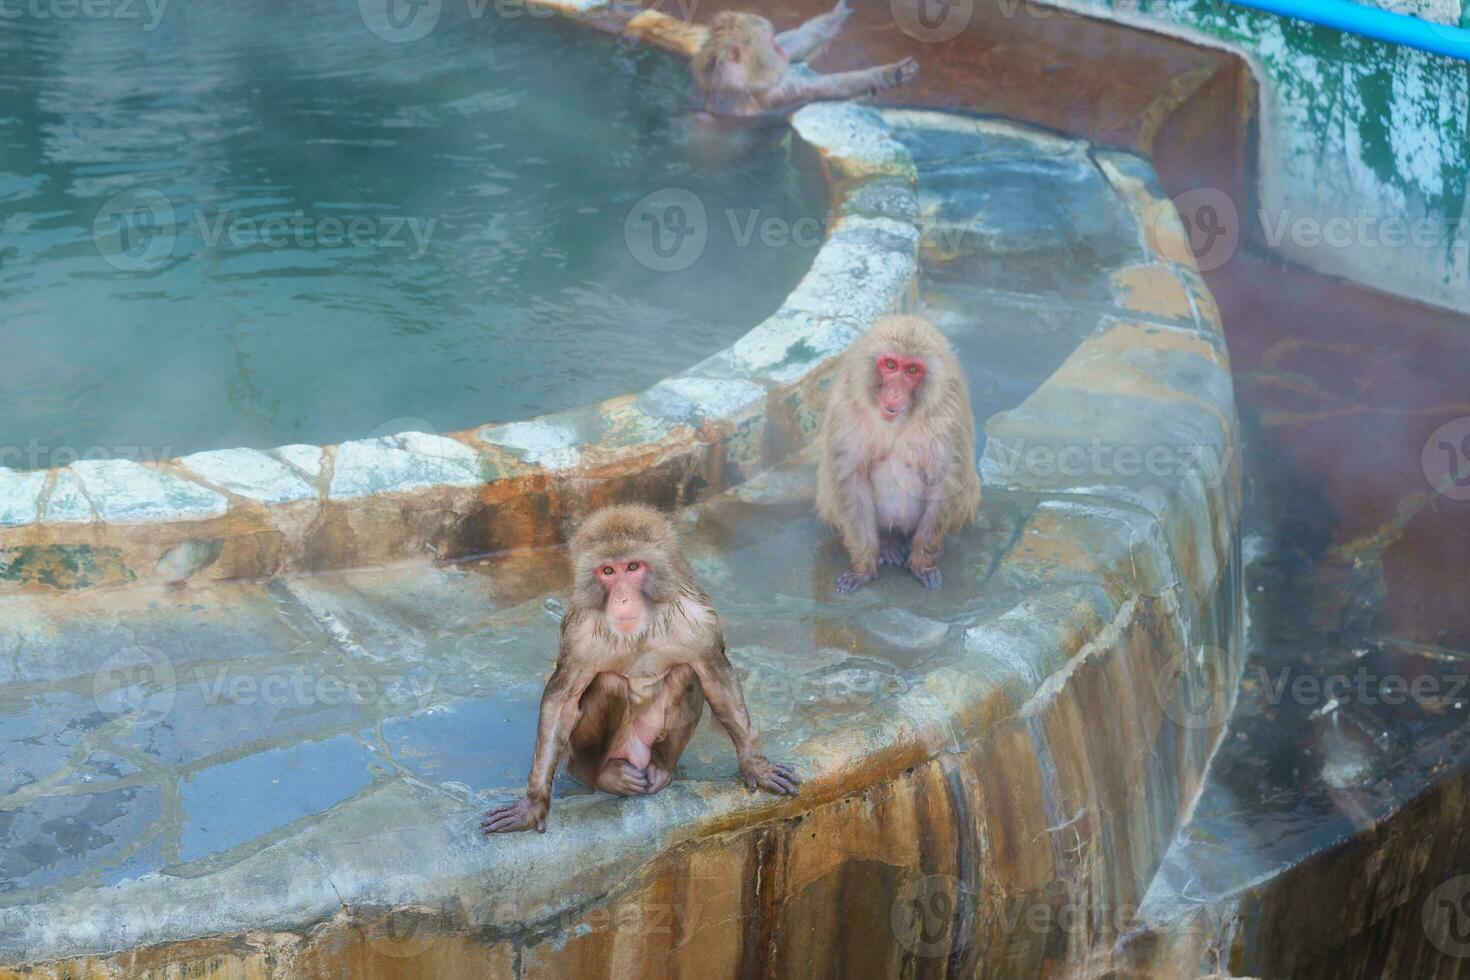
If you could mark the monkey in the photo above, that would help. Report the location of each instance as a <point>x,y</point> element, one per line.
<point>896,465</point>
<point>744,67</point>
<point>642,649</point>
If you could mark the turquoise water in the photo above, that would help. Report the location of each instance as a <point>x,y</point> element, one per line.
<point>324,235</point>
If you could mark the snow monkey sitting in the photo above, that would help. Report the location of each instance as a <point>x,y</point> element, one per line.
<point>642,650</point>
<point>896,471</point>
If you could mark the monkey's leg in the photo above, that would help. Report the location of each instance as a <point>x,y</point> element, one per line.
<point>893,548</point>
<point>683,706</point>
<point>802,43</point>
<point>604,716</point>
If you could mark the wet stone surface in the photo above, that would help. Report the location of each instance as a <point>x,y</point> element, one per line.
<point>225,739</point>
<point>1015,210</point>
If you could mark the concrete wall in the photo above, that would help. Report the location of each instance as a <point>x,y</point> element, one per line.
<point>1364,147</point>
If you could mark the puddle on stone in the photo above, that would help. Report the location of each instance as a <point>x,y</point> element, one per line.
<point>483,742</point>
<point>235,802</point>
<point>50,839</point>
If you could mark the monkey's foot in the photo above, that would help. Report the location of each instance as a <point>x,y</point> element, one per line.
<point>891,552</point>
<point>621,778</point>
<point>851,581</point>
<point>929,577</point>
<point>778,777</point>
<point>523,814</point>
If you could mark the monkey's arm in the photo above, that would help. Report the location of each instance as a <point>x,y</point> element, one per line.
<point>727,702</point>
<point>553,730</point>
<point>795,89</point>
<point>801,43</point>
<point>948,489</point>
<point>928,545</point>
<point>849,506</point>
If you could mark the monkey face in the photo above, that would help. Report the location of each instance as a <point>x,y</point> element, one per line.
<point>622,583</point>
<point>899,377</point>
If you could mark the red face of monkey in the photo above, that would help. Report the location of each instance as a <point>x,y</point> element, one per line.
<point>623,583</point>
<point>898,378</point>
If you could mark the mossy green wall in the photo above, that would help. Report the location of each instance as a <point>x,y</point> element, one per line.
<point>1356,130</point>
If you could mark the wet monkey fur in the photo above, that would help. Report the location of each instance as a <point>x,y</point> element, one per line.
<point>744,67</point>
<point>641,651</point>
<point>896,466</point>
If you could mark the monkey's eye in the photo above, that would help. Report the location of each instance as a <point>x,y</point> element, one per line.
<point>891,364</point>
<point>609,570</point>
<point>913,369</point>
<point>632,566</point>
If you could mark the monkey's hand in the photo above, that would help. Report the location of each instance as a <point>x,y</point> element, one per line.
<point>852,580</point>
<point>777,777</point>
<point>900,72</point>
<point>523,814</point>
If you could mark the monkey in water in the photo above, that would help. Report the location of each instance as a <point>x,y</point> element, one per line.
<point>897,466</point>
<point>744,67</point>
<point>641,651</point>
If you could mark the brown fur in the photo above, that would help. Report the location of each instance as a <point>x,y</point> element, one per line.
<point>744,68</point>
<point>740,55</point>
<point>938,432</point>
<point>607,685</point>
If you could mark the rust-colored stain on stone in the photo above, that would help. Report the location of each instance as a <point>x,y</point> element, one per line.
<point>1153,288</point>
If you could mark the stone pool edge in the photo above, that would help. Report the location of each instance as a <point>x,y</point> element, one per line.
<point>1052,761</point>
<point>243,513</point>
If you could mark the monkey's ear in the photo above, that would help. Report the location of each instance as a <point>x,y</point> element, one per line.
<point>733,52</point>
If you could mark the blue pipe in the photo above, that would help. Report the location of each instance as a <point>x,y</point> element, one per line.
<point>1357,18</point>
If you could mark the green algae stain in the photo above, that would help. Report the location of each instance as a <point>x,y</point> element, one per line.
<point>800,352</point>
<point>64,566</point>
<point>1401,114</point>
